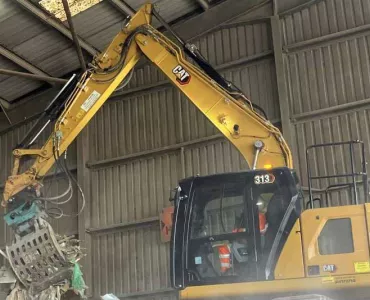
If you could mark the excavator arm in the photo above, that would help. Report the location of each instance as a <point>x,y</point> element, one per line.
<point>261,143</point>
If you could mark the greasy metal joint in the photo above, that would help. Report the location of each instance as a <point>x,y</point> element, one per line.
<point>17,153</point>
<point>259,146</point>
<point>236,129</point>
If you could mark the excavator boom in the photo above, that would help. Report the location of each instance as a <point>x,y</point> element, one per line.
<point>231,112</point>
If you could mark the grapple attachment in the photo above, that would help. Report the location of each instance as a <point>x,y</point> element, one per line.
<point>38,260</point>
<point>39,257</point>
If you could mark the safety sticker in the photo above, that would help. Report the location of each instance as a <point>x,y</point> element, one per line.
<point>328,279</point>
<point>362,267</point>
<point>198,260</point>
<point>90,101</point>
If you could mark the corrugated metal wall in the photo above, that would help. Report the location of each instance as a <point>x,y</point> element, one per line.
<point>312,71</point>
<point>327,71</point>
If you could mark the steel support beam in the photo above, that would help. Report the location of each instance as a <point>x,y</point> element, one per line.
<point>214,17</point>
<point>296,8</point>
<point>203,3</point>
<point>34,76</point>
<point>4,111</point>
<point>56,24</point>
<point>74,35</point>
<point>123,226</point>
<point>21,62</point>
<point>331,111</point>
<point>329,38</point>
<point>123,159</point>
<point>123,7</point>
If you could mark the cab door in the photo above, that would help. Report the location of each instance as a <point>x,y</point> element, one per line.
<point>335,240</point>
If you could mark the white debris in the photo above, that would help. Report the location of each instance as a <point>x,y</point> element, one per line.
<point>109,297</point>
<point>7,276</point>
<point>19,293</point>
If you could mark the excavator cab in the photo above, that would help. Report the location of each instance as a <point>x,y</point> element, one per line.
<point>231,227</point>
<point>248,234</point>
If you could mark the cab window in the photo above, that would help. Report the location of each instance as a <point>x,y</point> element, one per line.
<point>336,237</point>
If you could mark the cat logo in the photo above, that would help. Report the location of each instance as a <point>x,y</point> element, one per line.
<point>182,76</point>
<point>329,268</point>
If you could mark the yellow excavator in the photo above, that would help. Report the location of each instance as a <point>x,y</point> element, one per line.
<point>241,235</point>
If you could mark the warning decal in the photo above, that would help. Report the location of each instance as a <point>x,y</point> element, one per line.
<point>362,267</point>
<point>328,280</point>
<point>90,101</point>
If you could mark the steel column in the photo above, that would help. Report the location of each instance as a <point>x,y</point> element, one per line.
<point>281,83</point>
<point>74,35</point>
<point>84,221</point>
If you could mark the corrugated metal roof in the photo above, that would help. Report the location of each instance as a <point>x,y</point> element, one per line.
<point>47,49</point>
